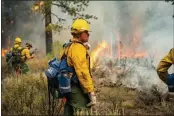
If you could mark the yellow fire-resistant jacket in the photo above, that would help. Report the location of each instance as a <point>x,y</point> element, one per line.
<point>16,46</point>
<point>165,64</point>
<point>25,54</point>
<point>78,57</point>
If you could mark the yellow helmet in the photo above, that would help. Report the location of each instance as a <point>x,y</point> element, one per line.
<point>79,25</point>
<point>17,40</point>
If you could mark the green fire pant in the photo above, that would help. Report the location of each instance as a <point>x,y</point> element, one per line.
<point>24,68</point>
<point>77,102</point>
<point>21,66</point>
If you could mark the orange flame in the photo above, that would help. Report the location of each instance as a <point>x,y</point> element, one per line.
<point>142,54</point>
<point>37,6</point>
<point>133,55</point>
<point>122,51</point>
<point>135,40</point>
<point>95,53</point>
<point>3,52</point>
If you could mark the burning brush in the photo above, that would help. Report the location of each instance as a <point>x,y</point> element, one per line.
<point>3,52</point>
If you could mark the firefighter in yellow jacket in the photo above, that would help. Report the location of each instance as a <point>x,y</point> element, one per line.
<point>83,94</point>
<point>26,55</point>
<point>14,61</point>
<point>163,67</point>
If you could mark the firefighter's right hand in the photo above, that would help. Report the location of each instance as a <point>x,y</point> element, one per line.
<point>92,98</point>
<point>32,56</point>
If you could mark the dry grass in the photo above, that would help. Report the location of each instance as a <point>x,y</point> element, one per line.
<point>151,101</point>
<point>38,65</point>
<point>28,95</point>
<point>149,97</point>
<point>25,95</point>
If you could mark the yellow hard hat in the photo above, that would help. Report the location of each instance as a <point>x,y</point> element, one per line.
<point>17,40</point>
<point>79,25</point>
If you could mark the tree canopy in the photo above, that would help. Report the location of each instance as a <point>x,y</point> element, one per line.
<point>74,9</point>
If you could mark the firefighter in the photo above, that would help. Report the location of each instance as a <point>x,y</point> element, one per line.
<point>13,57</point>
<point>83,95</point>
<point>26,55</point>
<point>162,71</point>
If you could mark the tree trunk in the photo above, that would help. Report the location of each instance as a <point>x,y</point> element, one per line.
<point>48,34</point>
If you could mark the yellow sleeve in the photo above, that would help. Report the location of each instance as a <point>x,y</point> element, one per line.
<point>79,60</point>
<point>166,62</point>
<point>26,53</point>
<point>164,65</point>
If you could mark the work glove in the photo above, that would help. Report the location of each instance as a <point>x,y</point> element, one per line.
<point>92,98</point>
<point>32,56</point>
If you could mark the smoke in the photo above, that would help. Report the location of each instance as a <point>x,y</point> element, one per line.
<point>149,21</point>
<point>34,32</point>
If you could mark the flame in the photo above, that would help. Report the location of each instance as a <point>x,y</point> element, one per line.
<point>118,50</point>
<point>95,53</point>
<point>134,40</point>
<point>3,52</point>
<point>37,6</point>
<point>133,55</point>
<point>142,54</point>
<point>41,3</point>
<point>129,51</point>
<point>123,51</point>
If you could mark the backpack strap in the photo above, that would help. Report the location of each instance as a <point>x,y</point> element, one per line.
<point>68,45</point>
<point>14,49</point>
<point>65,54</point>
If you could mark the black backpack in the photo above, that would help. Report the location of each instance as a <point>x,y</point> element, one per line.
<point>15,55</point>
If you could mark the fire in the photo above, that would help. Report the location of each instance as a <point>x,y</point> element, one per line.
<point>134,39</point>
<point>41,3</point>
<point>129,51</point>
<point>133,55</point>
<point>3,52</point>
<point>122,51</point>
<point>95,53</point>
<point>37,6</point>
<point>142,54</point>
